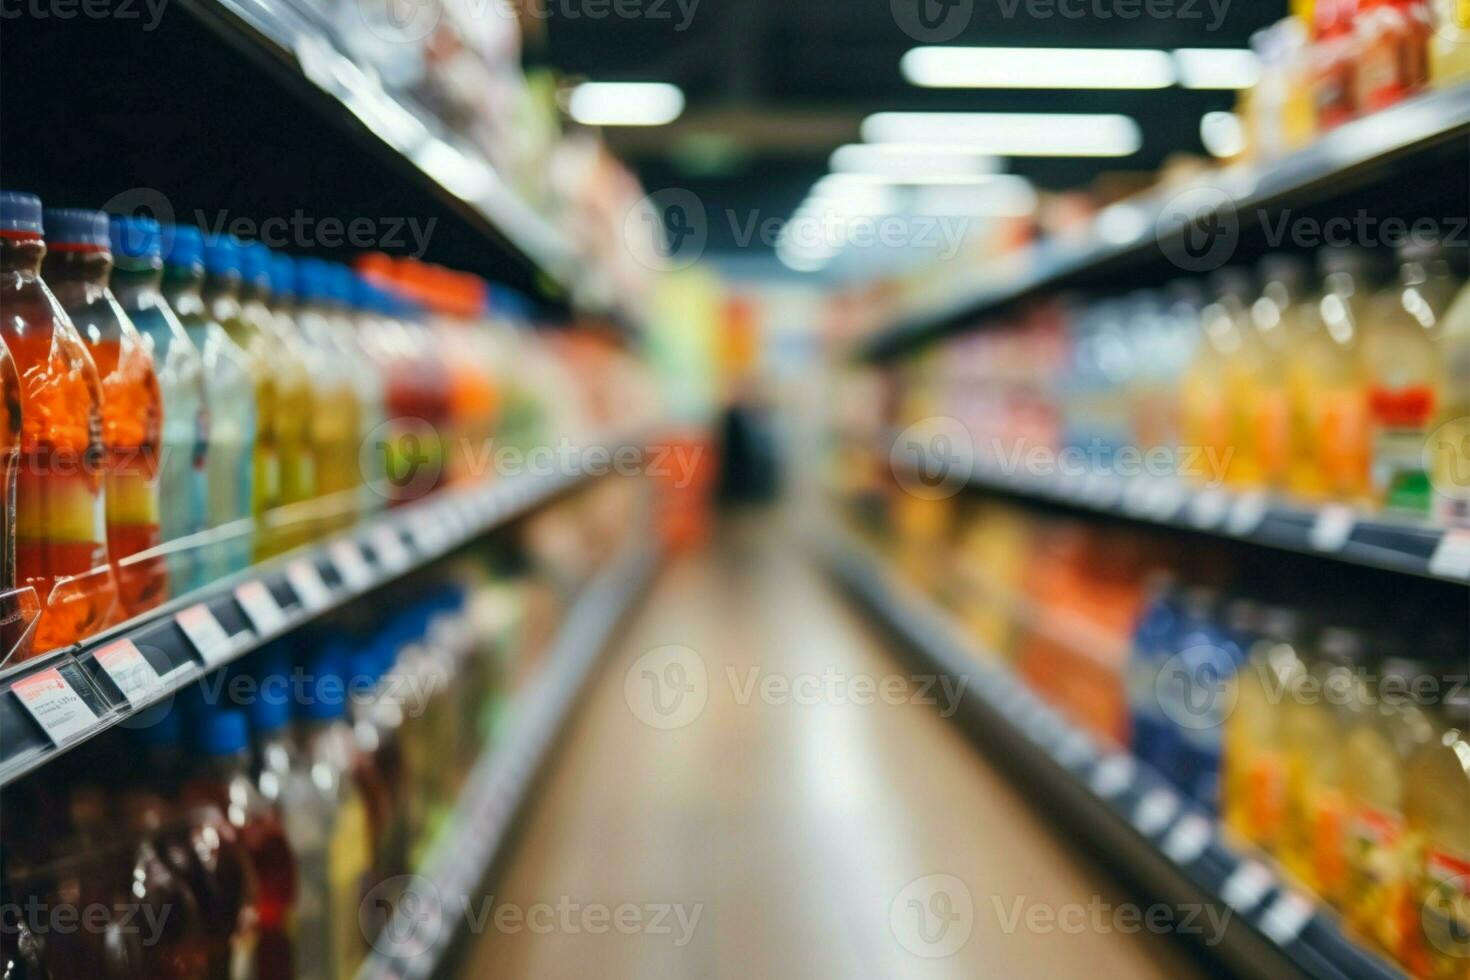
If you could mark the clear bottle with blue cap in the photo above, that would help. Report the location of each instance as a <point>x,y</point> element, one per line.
<point>60,504</point>
<point>336,424</point>
<point>77,268</point>
<point>371,399</point>
<point>9,461</point>
<point>222,294</point>
<point>230,396</point>
<point>137,279</point>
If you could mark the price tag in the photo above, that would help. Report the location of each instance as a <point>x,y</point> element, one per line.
<point>428,533</point>
<point>1157,808</point>
<point>130,671</point>
<point>1113,776</point>
<point>1246,886</point>
<point>1333,527</point>
<point>390,550</point>
<point>1137,497</point>
<point>1168,499</point>
<point>1451,558</point>
<point>1285,918</point>
<point>1188,840</point>
<point>1247,513</point>
<point>351,566</point>
<point>56,706</point>
<point>306,582</point>
<point>260,607</point>
<point>1076,749</point>
<point>205,632</point>
<point>1208,509</point>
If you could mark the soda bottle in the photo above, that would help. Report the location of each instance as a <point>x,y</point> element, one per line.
<point>222,292</point>
<point>9,460</point>
<point>222,778</point>
<point>60,525</point>
<point>336,424</point>
<point>1402,355</point>
<point>1197,680</point>
<point>76,267</point>
<point>137,280</point>
<point>230,395</point>
<point>1152,638</point>
<point>369,382</point>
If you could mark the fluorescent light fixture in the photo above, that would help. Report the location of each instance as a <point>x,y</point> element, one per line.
<point>1002,196</point>
<point>1070,68</point>
<point>1121,223</point>
<point>1223,68</point>
<point>626,103</point>
<point>906,159</point>
<point>1044,134</point>
<point>1223,133</point>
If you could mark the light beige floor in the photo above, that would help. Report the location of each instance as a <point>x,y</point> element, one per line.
<point>794,829</point>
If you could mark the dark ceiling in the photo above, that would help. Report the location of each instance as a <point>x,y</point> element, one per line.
<point>774,86</point>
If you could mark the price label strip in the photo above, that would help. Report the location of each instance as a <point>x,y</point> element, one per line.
<point>1246,513</point>
<point>211,641</point>
<point>134,676</point>
<point>1451,558</point>
<point>306,581</point>
<point>260,606</point>
<point>1285,918</point>
<point>1246,887</point>
<point>1114,775</point>
<point>1188,840</point>
<point>351,566</point>
<point>1155,811</point>
<point>1333,527</point>
<point>55,705</point>
<point>390,549</point>
<point>1208,509</point>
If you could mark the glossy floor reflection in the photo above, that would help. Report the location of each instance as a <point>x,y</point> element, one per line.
<point>751,790</point>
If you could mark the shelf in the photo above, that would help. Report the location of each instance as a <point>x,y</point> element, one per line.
<point>416,942</point>
<point>176,645</point>
<point>1150,226</point>
<point>1333,531</point>
<point>1172,849</point>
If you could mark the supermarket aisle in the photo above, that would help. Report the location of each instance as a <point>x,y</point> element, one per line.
<point>782,832</point>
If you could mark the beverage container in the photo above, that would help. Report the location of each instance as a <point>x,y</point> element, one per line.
<point>9,460</point>
<point>1384,733</point>
<point>77,268</point>
<point>222,296</point>
<point>336,425</point>
<point>230,398</point>
<point>376,716</point>
<point>368,382</point>
<point>1449,472</point>
<point>1250,382</point>
<point>1402,355</point>
<point>1437,807</point>
<point>300,476</point>
<point>1206,392</point>
<point>1274,314</point>
<point>1255,749</point>
<point>1334,69</point>
<point>223,778</point>
<point>1151,646</point>
<point>1449,45</point>
<point>1391,38</point>
<point>1195,683</point>
<point>60,517</point>
<point>278,348</point>
<point>137,279</point>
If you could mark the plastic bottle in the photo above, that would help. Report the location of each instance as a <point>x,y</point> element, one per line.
<point>1255,750</point>
<point>1334,65</point>
<point>1402,356</point>
<point>77,267</point>
<point>1207,393</point>
<point>9,460</point>
<point>370,385</point>
<point>1149,729</point>
<point>1383,735</point>
<point>1449,473</point>
<point>1274,314</point>
<point>1391,38</point>
<point>222,295</point>
<point>137,277</point>
<point>60,516</point>
<point>230,397</point>
<point>336,426</point>
<point>1198,680</point>
<point>376,717</point>
<point>1449,45</point>
<point>280,348</point>
<point>1437,807</point>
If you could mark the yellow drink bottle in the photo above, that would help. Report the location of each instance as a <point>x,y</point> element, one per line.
<point>1449,449</point>
<point>1449,43</point>
<point>1244,375</point>
<point>1275,314</point>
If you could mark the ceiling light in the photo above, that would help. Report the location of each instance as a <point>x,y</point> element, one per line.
<point>1227,68</point>
<point>1071,68</point>
<point>1002,196</point>
<point>1050,134</point>
<point>626,103</point>
<point>904,159</point>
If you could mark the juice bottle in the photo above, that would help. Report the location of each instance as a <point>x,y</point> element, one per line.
<point>1248,379</point>
<point>230,395</point>
<point>1385,40</point>
<point>279,347</point>
<point>306,520</point>
<point>336,426</point>
<point>222,293</point>
<point>1436,932</point>
<point>1334,65</point>
<point>379,772</point>
<point>9,459</point>
<point>1450,451</point>
<point>60,523</point>
<point>137,279</point>
<point>1255,750</point>
<point>1204,408</point>
<point>222,778</point>
<point>369,382</point>
<point>1314,726</point>
<point>1383,735</point>
<point>1402,356</point>
<point>77,267</point>
<point>1449,45</point>
<point>1274,313</point>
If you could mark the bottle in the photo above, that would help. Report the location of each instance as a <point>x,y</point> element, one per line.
<point>60,525</point>
<point>336,423</point>
<point>376,718</point>
<point>1314,725</point>
<point>1199,677</point>
<point>222,778</point>
<point>222,297</point>
<point>9,460</point>
<point>76,267</point>
<point>1255,750</point>
<point>1391,38</point>
<point>1149,730</point>
<point>299,478</point>
<point>1335,68</point>
<point>326,743</point>
<point>137,279</point>
<point>1383,735</point>
<point>229,468</point>
<point>370,384</point>
<point>1449,45</point>
<point>1402,355</point>
<point>1437,808</point>
<point>1274,314</point>
<point>1449,473</point>
<point>1207,392</point>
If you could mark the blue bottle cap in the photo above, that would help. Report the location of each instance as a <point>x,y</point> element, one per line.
<point>270,709</point>
<point>136,238</point>
<point>256,261</point>
<point>221,255</point>
<point>21,212</point>
<point>313,280</point>
<point>343,284</point>
<point>78,227</point>
<point>186,246</point>
<point>325,690</point>
<point>223,731</point>
<point>365,296</point>
<point>283,274</point>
